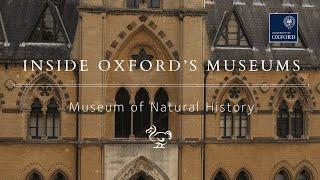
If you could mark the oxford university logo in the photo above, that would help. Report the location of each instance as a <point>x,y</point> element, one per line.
<point>283,27</point>
<point>289,22</point>
<point>160,139</point>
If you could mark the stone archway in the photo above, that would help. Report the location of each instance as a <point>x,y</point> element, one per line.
<point>141,176</point>
<point>141,169</point>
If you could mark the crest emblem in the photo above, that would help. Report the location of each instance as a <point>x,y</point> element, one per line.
<point>289,22</point>
<point>160,139</point>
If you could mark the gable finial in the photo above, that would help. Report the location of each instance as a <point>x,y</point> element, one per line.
<point>287,3</point>
<point>307,3</point>
<point>209,2</point>
<point>259,3</point>
<point>239,2</point>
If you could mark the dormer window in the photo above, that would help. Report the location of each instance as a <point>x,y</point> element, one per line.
<point>232,33</point>
<point>49,27</point>
<point>153,4</point>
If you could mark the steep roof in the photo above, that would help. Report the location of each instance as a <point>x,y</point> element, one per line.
<point>20,19</point>
<point>255,20</point>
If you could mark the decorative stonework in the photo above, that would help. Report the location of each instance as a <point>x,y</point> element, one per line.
<point>236,93</point>
<point>43,93</point>
<point>142,164</point>
<point>318,88</point>
<point>10,84</point>
<point>143,21</point>
<point>264,87</point>
<point>292,94</point>
<point>46,173</point>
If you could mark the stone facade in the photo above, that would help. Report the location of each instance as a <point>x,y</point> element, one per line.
<point>87,147</point>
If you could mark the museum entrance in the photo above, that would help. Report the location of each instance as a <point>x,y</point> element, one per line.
<point>141,176</point>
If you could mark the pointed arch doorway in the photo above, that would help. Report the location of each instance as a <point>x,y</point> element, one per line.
<point>141,176</point>
<point>141,169</point>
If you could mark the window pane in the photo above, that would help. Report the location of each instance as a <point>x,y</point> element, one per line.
<point>160,118</point>
<point>154,3</point>
<point>220,176</point>
<point>282,175</point>
<point>122,114</point>
<point>141,120</point>
<point>283,120</point>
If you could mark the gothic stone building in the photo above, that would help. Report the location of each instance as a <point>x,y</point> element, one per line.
<point>41,139</point>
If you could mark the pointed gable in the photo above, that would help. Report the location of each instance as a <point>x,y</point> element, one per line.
<point>49,27</point>
<point>232,32</point>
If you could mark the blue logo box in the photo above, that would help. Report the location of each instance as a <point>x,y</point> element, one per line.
<point>283,27</point>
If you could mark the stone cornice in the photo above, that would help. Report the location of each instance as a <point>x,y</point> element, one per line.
<point>193,141</point>
<point>162,12</point>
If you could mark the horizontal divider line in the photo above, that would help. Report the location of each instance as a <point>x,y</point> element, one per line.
<point>161,85</point>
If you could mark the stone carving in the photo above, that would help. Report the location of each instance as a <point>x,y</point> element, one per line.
<point>10,84</point>
<point>139,165</point>
<point>318,88</point>
<point>264,87</point>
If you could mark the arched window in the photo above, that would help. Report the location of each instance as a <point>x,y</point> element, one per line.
<point>283,120</point>
<point>37,124</point>
<point>297,121</point>
<point>160,118</point>
<point>241,121</point>
<point>220,176</point>
<point>226,122</point>
<point>141,120</point>
<point>304,175</point>
<point>282,175</point>
<point>59,176</point>
<point>243,176</point>
<point>34,176</point>
<point>123,114</point>
<point>53,120</point>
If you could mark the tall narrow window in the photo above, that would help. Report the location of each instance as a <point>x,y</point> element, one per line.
<point>133,3</point>
<point>122,114</point>
<point>37,124</point>
<point>304,175</point>
<point>154,3</point>
<point>59,176</point>
<point>141,120</point>
<point>160,117</point>
<point>297,121</point>
<point>53,120</point>
<point>243,176</point>
<point>226,122</point>
<point>282,175</point>
<point>283,120</point>
<point>34,176</point>
<point>241,121</point>
<point>220,176</point>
